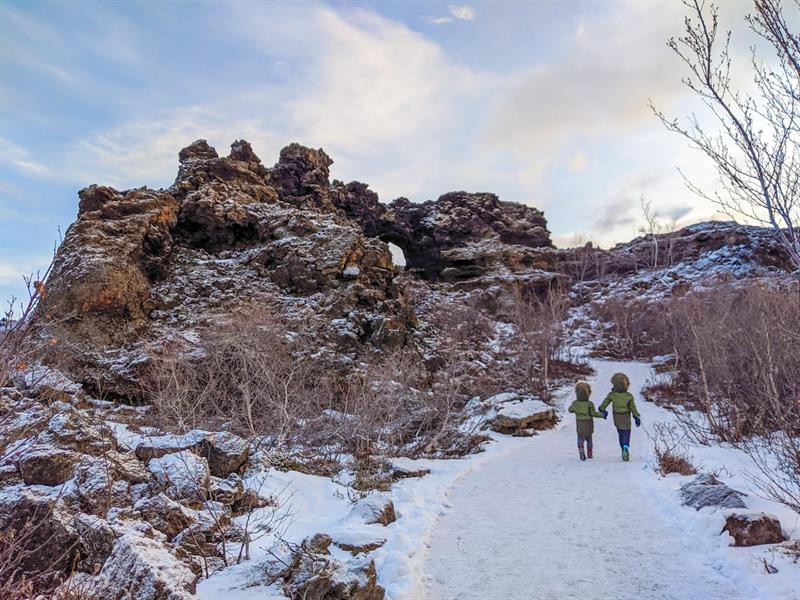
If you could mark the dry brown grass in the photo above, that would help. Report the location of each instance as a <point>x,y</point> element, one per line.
<point>670,451</point>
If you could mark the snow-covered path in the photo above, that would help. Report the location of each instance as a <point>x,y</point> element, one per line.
<point>536,523</point>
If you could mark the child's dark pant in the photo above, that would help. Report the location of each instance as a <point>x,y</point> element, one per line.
<point>624,437</point>
<point>588,441</point>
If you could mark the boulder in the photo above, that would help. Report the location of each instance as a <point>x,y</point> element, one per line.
<point>249,501</point>
<point>75,429</point>
<point>181,475</point>
<point>519,415</point>
<point>314,574</point>
<point>227,491</point>
<point>46,523</point>
<point>47,465</point>
<point>753,529</point>
<point>164,514</point>
<point>97,488</point>
<point>97,540</point>
<point>140,568</point>
<point>706,490</point>
<point>226,453</point>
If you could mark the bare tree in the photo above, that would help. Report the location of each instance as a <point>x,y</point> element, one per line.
<point>651,227</point>
<point>17,328</point>
<point>755,151</point>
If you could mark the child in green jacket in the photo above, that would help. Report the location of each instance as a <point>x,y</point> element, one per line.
<point>623,407</point>
<point>584,414</point>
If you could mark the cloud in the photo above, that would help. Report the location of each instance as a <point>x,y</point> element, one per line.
<point>616,212</point>
<point>578,162</point>
<point>13,271</point>
<point>19,159</point>
<point>599,85</point>
<point>437,20</point>
<point>462,11</point>
<point>383,100</point>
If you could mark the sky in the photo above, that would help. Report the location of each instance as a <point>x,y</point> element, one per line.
<point>544,103</point>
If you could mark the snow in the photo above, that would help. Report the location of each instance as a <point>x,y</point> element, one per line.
<point>526,519</point>
<point>183,474</point>
<point>607,529</point>
<point>524,408</point>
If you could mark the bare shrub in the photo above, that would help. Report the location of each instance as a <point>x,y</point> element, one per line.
<point>22,541</point>
<point>249,379</point>
<point>18,327</point>
<point>735,350</point>
<point>255,377</point>
<point>538,338</point>
<point>670,451</point>
<point>637,328</point>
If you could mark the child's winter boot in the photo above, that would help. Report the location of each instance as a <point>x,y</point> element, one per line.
<point>626,455</point>
<point>581,453</point>
<point>589,453</point>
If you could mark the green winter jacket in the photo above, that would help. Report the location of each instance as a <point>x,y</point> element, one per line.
<point>623,406</point>
<point>584,411</point>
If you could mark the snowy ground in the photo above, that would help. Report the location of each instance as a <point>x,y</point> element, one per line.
<point>526,519</point>
<point>537,523</point>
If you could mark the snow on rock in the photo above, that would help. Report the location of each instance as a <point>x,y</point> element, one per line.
<point>140,568</point>
<point>375,508</point>
<point>228,491</point>
<point>74,428</point>
<point>47,382</point>
<point>518,414</point>
<point>97,486</point>
<point>753,529</point>
<point>706,490</point>
<point>224,451</point>
<point>164,514</point>
<point>182,475</point>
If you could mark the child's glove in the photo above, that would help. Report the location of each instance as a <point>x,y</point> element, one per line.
<point>605,414</point>
<point>638,421</point>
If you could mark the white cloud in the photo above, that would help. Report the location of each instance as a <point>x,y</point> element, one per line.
<point>383,100</point>
<point>19,159</point>
<point>578,162</point>
<point>437,20</point>
<point>462,11</point>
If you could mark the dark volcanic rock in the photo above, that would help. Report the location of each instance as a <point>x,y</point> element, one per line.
<point>706,490</point>
<point>142,267</point>
<point>426,231</point>
<point>754,529</point>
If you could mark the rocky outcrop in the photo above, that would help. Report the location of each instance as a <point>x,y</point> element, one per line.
<point>116,522</point>
<point>753,529</point>
<point>438,237</point>
<point>143,268</point>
